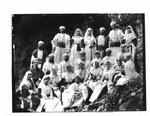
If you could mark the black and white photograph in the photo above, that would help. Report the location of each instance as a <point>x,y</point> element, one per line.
<point>83,62</point>
<point>75,57</point>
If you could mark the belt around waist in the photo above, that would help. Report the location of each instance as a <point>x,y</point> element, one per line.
<point>115,44</point>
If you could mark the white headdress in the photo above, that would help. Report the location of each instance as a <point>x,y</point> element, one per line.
<point>25,80</point>
<point>62,27</point>
<point>132,31</point>
<point>40,43</point>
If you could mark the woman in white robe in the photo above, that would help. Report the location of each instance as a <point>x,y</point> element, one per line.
<point>130,71</point>
<point>129,36</point>
<point>90,44</point>
<point>48,101</point>
<point>75,94</point>
<point>76,47</point>
<point>28,81</point>
<point>96,74</point>
<point>105,81</point>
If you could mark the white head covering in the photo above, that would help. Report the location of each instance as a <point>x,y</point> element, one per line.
<point>41,85</point>
<point>91,37</point>
<point>62,27</point>
<point>80,32</point>
<point>40,43</point>
<point>132,31</point>
<point>25,80</point>
<point>112,23</point>
<point>102,29</point>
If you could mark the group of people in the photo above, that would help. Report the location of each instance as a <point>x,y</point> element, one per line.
<point>79,70</point>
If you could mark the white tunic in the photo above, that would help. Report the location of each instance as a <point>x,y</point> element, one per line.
<point>59,51</point>
<point>74,54</point>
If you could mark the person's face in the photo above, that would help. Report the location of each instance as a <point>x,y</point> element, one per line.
<point>97,55</point>
<point>35,65</point>
<point>78,32</point>
<point>128,30</point>
<point>62,30</point>
<point>51,60</point>
<point>66,58</point>
<point>102,32</point>
<point>82,57</point>
<point>108,53</point>
<point>123,49</point>
<point>77,80</point>
<point>108,65</point>
<point>119,62</point>
<point>81,66</point>
<point>46,80</point>
<point>96,65</point>
<point>89,32</point>
<point>54,71</point>
<point>29,76</point>
<point>113,26</point>
<point>68,68</point>
<point>41,46</point>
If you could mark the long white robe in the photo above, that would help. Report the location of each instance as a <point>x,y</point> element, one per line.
<point>90,52</point>
<point>74,54</point>
<point>115,36</point>
<point>51,103</point>
<point>130,71</point>
<point>62,67</point>
<point>59,51</point>
<point>68,96</point>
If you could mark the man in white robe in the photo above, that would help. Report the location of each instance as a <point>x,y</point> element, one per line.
<point>62,65</point>
<point>116,37</point>
<point>47,66</point>
<point>60,44</point>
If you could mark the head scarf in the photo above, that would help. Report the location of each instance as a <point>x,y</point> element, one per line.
<point>25,80</point>
<point>132,31</point>
<point>42,85</point>
<point>86,34</point>
<point>80,32</point>
<point>102,29</point>
<point>112,23</point>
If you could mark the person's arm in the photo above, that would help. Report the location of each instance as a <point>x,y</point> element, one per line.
<point>67,43</point>
<point>54,42</point>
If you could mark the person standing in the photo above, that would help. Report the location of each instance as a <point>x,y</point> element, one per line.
<point>76,47</point>
<point>115,38</point>
<point>90,44</point>
<point>40,53</point>
<point>60,44</point>
<point>102,42</point>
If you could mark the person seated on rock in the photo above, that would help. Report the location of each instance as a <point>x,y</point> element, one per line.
<point>49,101</point>
<point>97,57</point>
<point>68,76</point>
<point>47,66</point>
<point>37,73</point>
<point>82,72</point>
<point>95,75</point>
<point>75,94</point>
<point>28,82</point>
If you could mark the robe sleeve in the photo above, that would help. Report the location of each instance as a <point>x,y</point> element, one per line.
<point>67,43</point>
<point>60,69</point>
